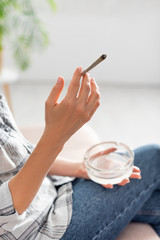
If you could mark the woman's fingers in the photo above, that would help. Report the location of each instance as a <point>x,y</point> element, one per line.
<point>124,182</point>
<point>107,151</point>
<point>107,185</point>
<point>94,97</point>
<point>88,95</point>
<point>56,91</point>
<point>136,169</point>
<point>135,175</point>
<point>85,89</point>
<point>75,83</point>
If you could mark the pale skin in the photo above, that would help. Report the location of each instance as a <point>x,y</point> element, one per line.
<point>62,120</point>
<point>78,169</point>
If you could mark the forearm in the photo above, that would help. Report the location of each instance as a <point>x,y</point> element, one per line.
<point>62,121</point>
<point>65,167</point>
<point>25,184</point>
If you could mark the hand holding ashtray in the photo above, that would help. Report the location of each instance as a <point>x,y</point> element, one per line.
<point>109,162</point>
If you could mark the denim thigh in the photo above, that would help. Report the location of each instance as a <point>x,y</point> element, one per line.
<point>100,213</point>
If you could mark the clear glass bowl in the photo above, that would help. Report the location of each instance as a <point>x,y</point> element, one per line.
<point>109,162</point>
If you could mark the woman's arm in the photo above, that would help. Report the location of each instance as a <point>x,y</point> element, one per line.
<point>62,121</point>
<point>66,167</point>
<point>27,181</point>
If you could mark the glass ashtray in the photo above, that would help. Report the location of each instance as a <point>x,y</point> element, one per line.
<point>109,162</point>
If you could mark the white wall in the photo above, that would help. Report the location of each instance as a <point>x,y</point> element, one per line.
<point>127,30</point>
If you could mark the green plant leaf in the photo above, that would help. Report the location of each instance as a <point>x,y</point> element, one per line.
<point>20,22</point>
<point>52,4</point>
<point>21,53</point>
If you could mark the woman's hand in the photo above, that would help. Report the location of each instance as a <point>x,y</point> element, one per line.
<point>136,173</point>
<point>82,173</point>
<point>65,118</point>
<point>62,120</point>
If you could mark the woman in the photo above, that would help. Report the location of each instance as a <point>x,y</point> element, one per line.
<point>33,206</point>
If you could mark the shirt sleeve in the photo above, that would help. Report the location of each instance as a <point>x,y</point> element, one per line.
<point>8,215</point>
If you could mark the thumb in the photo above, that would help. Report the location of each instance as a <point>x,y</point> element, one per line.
<point>56,90</point>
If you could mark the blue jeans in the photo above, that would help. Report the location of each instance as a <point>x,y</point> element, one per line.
<point>101,214</point>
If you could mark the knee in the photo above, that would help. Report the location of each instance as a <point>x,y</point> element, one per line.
<point>147,158</point>
<point>153,152</point>
<point>154,149</point>
<point>150,152</point>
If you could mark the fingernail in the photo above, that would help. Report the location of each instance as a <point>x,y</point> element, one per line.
<point>88,75</point>
<point>80,69</point>
<point>59,80</point>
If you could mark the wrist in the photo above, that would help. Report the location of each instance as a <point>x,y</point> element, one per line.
<point>51,140</point>
<point>81,171</point>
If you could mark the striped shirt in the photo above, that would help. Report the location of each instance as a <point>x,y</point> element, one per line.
<point>49,214</point>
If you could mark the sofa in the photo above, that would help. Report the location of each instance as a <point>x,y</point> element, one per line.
<point>74,149</point>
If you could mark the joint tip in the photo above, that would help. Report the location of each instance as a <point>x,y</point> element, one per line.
<point>104,56</point>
